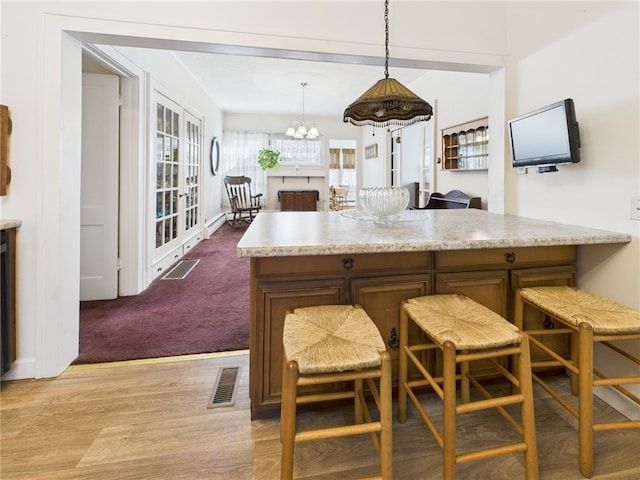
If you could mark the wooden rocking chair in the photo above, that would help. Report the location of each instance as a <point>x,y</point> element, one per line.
<point>244,205</point>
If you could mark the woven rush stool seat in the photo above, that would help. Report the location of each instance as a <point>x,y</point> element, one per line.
<point>331,344</point>
<point>465,331</point>
<point>587,319</point>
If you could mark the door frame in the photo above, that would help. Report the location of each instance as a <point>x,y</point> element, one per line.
<point>132,276</point>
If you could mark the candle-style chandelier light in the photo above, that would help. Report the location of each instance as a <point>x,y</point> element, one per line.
<point>302,129</point>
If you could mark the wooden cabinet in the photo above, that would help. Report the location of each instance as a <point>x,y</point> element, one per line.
<point>275,298</point>
<point>381,298</point>
<point>466,146</point>
<point>533,318</point>
<point>379,282</point>
<point>491,276</point>
<point>487,288</point>
<point>7,299</point>
<point>298,200</point>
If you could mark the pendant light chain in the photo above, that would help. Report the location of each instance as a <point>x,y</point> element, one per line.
<point>386,39</point>
<point>387,102</point>
<point>303,85</point>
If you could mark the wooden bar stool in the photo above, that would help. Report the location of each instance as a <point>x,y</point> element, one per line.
<point>465,331</point>
<point>330,344</point>
<point>587,318</point>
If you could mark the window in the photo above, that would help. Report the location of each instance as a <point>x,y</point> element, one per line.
<point>239,152</point>
<point>297,152</point>
<point>342,167</point>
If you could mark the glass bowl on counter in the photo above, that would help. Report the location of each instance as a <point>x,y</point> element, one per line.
<point>384,204</point>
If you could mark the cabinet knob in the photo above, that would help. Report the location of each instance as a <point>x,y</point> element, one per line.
<point>510,257</point>
<point>347,263</point>
<point>548,323</point>
<point>394,341</point>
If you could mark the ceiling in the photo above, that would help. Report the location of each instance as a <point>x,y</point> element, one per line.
<point>259,84</point>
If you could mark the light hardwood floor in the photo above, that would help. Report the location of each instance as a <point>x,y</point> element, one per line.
<point>150,421</point>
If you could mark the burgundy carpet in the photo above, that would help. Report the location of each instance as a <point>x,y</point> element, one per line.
<point>208,311</point>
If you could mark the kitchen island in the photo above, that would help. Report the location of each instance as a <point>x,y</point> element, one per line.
<point>312,258</point>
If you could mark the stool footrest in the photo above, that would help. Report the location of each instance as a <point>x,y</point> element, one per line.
<point>342,431</point>
<point>321,378</point>
<point>622,425</point>
<point>491,452</point>
<point>323,397</point>
<point>568,407</point>
<point>495,402</point>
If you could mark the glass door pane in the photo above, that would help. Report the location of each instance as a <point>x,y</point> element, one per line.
<point>167,157</point>
<point>191,171</point>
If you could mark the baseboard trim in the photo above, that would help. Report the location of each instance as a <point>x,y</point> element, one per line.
<point>158,360</point>
<point>215,223</point>
<point>21,369</point>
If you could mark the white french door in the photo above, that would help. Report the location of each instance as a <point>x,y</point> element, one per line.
<point>177,162</point>
<point>190,189</point>
<point>167,163</point>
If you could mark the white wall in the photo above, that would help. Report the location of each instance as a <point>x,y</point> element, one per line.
<point>168,72</point>
<point>597,64</point>
<point>462,97</point>
<point>587,50</point>
<point>374,172</point>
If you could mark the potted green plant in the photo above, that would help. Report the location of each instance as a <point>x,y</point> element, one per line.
<point>268,159</point>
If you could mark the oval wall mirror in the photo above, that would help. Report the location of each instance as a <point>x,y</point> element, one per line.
<point>214,155</point>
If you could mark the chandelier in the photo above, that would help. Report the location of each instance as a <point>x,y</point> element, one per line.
<point>302,129</point>
<point>388,102</point>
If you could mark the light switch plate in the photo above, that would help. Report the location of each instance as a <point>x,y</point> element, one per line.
<point>634,208</point>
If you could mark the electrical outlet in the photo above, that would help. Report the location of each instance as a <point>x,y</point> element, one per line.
<point>522,170</point>
<point>634,208</point>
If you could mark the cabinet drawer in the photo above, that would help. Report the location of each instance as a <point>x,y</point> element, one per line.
<point>189,244</point>
<point>403,262</point>
<point>162,266</point>
<point>504,257</point>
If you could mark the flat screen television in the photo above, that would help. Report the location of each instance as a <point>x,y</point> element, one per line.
<point>546,138</point>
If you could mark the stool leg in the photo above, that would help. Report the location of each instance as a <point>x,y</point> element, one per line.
<point>574,354</point>
<point>357,402</point>
<point>386,420</point>
<point>402,365</point>
<point>288,418</point>
<point>585,400</point>
<point>527,409</point>
<point>518,321</point>
<point>449,411</point>
<point>518,311</point>
<point>465,389</point>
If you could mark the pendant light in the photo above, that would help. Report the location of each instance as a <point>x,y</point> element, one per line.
<point>302,129</point>
<point>388,102</point>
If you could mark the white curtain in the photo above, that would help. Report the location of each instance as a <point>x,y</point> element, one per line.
<point>239,155</point>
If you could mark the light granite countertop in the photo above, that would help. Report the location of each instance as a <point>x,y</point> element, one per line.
<point>278,234</point>
<point>6,224</point>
